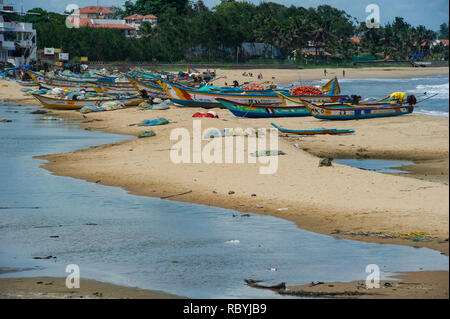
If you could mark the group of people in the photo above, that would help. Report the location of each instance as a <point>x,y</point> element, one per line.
<point>260,76</point>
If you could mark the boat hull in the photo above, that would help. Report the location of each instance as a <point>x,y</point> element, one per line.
<point>355,113</point>
<point>116,87</point>
<point>263,111</point>
<point>62,104</point>
<point>191,97</point>
<point>314,131</point>
<point>152,90</point>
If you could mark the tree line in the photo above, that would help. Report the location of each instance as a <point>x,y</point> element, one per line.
<point>219,32</point>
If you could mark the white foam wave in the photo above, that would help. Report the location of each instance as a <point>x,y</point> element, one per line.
<point>440,89</point>
<point>434,113</point>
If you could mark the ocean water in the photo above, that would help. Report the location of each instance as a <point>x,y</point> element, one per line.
<point>421,87</point>
<point>186,249</point>
<point>377,165</point>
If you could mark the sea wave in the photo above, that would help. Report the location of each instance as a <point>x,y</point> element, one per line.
<point>434,113</point>
<point>391,80</point>
<point>440,89</point>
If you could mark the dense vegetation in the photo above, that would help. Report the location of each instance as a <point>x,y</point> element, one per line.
<point>184,25</point>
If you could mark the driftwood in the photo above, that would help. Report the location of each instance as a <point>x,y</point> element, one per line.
<point>281,289</point>
<point>254,283</point>
<point>164,197</point>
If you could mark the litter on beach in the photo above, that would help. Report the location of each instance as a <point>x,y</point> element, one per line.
<point>147,134</point>
<point>210,114</point>
<point>154,122</point>
<point>267,153</point>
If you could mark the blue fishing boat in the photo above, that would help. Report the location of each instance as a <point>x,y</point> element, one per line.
<point>258,111</point>
<point>186,96</point>
<point>314,131</point>
<point>358,111</point>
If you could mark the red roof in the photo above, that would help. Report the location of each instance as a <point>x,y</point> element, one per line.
<point>134,17</point>
<point>356,40</point>
<point>444,42</point>
<point>424,43</point>
<point>314,53</point>
<point>115,26</point>
<point>95,9</point>
<point>140,17</point>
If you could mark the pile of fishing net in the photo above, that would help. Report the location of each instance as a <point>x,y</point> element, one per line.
<point>306,90</point>
<point>254,87</point>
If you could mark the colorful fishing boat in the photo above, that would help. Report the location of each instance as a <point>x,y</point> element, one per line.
<point>355,112</point>
<point>106,87</point>
<point>149,87</point>
<point>66,104</point>
<point>314,131</point>
<point>259,111</point>
<point>207,99</point>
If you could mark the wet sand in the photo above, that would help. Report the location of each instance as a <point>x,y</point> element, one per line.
<point>55,288</point>
<point>408,285</point>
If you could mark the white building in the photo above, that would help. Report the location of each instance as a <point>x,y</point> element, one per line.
<point>17,39</point>
<point>101,17</point>
<point>136,20</point>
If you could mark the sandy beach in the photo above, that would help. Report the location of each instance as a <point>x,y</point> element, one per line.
<point>412,285</point>
<point>55,288</point>
<point>342,201</point>
<point>274,76</point>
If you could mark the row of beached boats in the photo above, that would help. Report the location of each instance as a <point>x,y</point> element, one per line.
<point>137,86</point>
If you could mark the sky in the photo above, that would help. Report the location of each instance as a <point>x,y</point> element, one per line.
<point>430,13</point>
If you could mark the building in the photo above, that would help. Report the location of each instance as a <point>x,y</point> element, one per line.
<point>101,17</point>
<point>17,39</point>
<point>136,20</point>
<point>96,12</point>
<point>315,48</point>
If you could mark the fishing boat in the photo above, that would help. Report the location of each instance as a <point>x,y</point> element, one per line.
<point>66,104</point>
<point>259,111</point>
<point>314,131</point>
<point>354,112</point>
<point>149,87</point>
<point>208,99</point>
<point>99,86</point>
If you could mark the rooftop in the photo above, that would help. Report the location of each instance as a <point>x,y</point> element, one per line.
<point>140,17</point>
<point>95,9</point>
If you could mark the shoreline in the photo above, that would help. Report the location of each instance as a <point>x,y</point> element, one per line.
<point>55,288</point>
<point>70,164</point>
<point>403,285</point>
<point>282,77</point>
<point>320,218</point>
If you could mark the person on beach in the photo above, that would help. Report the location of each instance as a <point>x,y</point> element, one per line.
<point>324,72</point>
<point>343,73</point>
